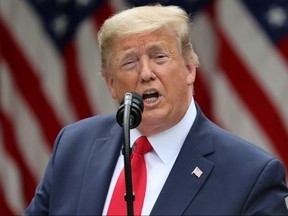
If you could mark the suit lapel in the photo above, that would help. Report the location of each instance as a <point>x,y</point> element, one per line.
<point>100,166</point>
<point>182,186</point>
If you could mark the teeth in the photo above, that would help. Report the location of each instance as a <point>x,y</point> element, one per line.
<point>150,99</point>
<point>150,96</point>
<point>150,92</point>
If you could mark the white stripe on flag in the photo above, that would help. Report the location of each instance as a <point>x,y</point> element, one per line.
<point>86,42</point>
<point>266,65</point>
<point>205,44</point>
<point>10,180</point>
<point>40,52</point>
<point>32,143</point>
<point>235,117</point>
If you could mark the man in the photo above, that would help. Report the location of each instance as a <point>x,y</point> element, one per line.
<point>195,167</point>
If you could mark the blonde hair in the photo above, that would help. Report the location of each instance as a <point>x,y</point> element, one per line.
<point>146,19</point>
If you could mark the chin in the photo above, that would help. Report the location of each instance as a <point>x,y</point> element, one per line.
<point>152,121</point>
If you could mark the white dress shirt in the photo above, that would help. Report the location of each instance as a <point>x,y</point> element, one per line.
<point>159,162</point>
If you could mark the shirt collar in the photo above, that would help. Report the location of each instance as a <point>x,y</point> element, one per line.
<point>166,145</point>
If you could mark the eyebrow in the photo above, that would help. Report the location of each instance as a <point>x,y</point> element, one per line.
<point>131,51</point>
<point>157,46</point>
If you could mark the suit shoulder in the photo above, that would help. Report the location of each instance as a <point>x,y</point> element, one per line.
<point>99,124</point>
<point>97,119</point>
<point>226,144</point>
<point>238,146</point>
<point>86,130</point>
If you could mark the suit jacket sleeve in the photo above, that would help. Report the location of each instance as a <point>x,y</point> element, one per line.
<point>266,193</point>
<point>40,203</point>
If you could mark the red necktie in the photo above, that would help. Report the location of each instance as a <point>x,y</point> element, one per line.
<point>118,204</point>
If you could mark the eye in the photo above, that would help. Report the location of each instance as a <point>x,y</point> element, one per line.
<point>128,64</point>
<point>160,58</point>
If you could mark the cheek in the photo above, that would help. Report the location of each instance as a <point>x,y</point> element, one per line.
<point>122,84</point>
<point>126,81</point>
<point>177,86</point>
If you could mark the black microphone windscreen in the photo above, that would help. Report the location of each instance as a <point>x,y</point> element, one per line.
<point>137,108</point>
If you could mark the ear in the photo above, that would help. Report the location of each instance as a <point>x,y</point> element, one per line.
<point>110,84</point>
<point>190,73</point>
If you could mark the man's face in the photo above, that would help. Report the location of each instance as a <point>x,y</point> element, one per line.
<point>152,65</point>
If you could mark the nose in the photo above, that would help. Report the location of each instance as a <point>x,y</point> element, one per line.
<point>146,71</point>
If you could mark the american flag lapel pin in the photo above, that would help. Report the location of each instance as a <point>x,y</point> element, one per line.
<point>197,172</point>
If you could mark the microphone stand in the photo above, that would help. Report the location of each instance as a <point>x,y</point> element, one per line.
<point>129,196</point>
<point>129,116</point>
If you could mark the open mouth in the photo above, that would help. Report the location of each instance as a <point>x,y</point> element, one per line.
<point>150,96</point>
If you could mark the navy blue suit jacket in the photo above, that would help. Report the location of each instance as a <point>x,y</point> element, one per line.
<point>238,178</point>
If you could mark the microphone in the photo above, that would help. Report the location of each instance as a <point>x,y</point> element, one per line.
<point>129,116</point>
<point>135,102</point>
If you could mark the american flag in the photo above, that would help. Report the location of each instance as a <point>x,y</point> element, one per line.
<point>197,172</point>
<point>49,65</point>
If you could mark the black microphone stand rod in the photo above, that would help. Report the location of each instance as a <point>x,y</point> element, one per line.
<point>129,196</point>
<point>129,116</point>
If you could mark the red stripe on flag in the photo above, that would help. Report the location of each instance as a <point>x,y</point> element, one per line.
<point>101,15</point>
<point>29,85</point>
<point>250,92</point>
<point>282,46</point>
<point>76,90</point>
<point>11,146</point>
<point>202,95</point>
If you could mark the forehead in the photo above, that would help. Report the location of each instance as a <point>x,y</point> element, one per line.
<point>156,39</point>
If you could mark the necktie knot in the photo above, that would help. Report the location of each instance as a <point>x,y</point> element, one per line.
<point>142,145</point>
